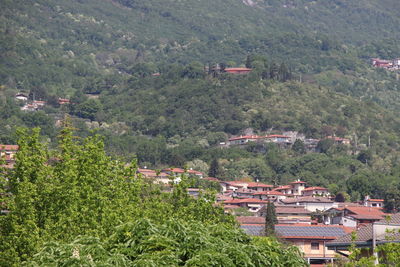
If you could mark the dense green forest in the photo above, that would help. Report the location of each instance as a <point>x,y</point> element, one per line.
<point>310,73</point>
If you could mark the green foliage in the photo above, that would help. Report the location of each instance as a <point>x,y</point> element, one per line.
<point>270,219</point>
<point>214,170</point>
<point>77,206</point>
<point>171,243</point>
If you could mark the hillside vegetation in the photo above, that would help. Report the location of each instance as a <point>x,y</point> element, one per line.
<point>135,72</point>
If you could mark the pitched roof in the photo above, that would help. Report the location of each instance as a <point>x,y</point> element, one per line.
<point>375,200</point>
<point>253,184</point>
<point>299,231</point>
<point>364,236</point>
<point>365,212</point>
<point>250,220</point>
<point>237,69</point>
<point>291,210</point>
<point>298,182</point>
<point>392,218</point>
<point>283,187</point>
<point>245,200</point>
<point>314,188</point>
<point>307,199</point>
<point>268,193</point>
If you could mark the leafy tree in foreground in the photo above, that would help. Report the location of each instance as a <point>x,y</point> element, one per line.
<point>77,206</point>
<point>76,190</point>
<point>174,242</point>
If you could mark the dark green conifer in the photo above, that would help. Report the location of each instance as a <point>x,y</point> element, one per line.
<point>270,219</point>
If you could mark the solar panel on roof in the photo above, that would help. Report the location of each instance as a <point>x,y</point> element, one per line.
<point>302,231</point>
<point>309,231</point>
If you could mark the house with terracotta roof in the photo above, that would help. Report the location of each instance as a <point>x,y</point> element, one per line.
<point>63,101</point>
<point>259,187</point>
<point>232,185</point>
<point>159,177</point>
<point>289,214</point>
<point>353,216</point>
<point>298,187</point>
<point>243,193</point>
<point>310,239</point>
<point>373,202</point>
<point>284,189</point>
<point>237,70</point>
<point>269,195</point>
<point>310,203</point>
<point>252,204</point>
<point>254,186</point>
<point>315,191</point>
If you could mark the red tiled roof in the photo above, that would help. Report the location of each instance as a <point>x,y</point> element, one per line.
<point>250,220</point>
<point>245,200</point>
<point>151,173</point>
<point>365,212</point>
<point>273,193</point>
<point>283,210</point>
<point>253,184</point>
<point>9,147</point>
<point>375,200</point>
<point>298,182</point>
<point>314,188</point>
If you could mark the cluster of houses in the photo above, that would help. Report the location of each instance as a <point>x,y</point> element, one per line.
<point>393,64</point>
<point>285,140</point>
<point>308,216</point>
<point>35,105</point>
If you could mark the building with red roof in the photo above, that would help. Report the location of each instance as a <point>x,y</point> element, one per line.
<point>373,202</point>
<point>237,70</point>
<point>63,101</point>
<point>315,191</point>
<point>251,204</point>
<point>298,187</point>
<point>353,216</point>
<point>269,195</point>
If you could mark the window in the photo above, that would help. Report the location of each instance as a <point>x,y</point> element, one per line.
<point>314,246</point>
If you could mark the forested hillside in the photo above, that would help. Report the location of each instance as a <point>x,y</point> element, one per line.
<point>139,73</point>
